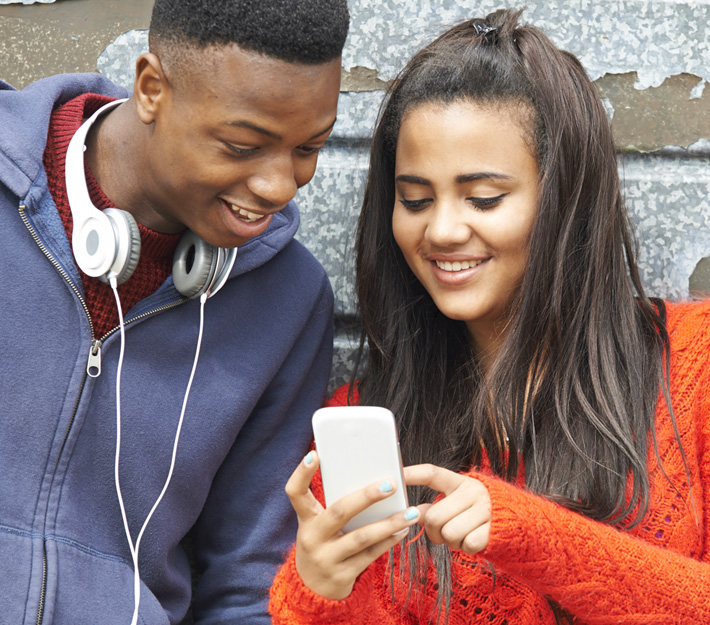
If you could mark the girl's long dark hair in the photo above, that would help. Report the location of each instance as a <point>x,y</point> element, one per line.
<point>573,390</point>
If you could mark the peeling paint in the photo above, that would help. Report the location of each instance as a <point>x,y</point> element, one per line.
<point>651,119</point>
<point>701,146</point>
<point>609,108</point>
<point>651,59</point>
<point>668,200</point>
<point>700,279</point>
<point>697,92</point>
<point>361,79</point>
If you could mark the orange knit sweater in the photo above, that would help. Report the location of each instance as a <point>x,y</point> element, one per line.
<point>656,573</point>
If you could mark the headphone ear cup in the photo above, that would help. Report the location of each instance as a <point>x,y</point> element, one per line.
<point>194,265</point>
<point>128,245</point>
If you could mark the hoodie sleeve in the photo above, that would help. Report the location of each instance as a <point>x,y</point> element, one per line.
<point>248,525</point>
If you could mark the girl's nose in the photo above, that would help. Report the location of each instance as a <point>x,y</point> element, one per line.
<point>447,226</point>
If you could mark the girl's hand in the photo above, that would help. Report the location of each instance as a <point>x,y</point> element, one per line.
<point>328,560</point>
<point>462,519</point>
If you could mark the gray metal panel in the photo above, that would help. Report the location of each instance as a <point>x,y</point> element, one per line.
<point>650,60</point>
<point>656,38</point>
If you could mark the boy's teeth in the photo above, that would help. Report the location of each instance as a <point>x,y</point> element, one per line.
<point>246,214</point>
<point>457,265</point>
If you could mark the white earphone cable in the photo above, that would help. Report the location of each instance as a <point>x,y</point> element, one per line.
<point>135,548</point>
<point>117,479</point>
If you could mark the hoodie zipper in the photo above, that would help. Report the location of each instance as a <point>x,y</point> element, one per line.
<point>93,362</point>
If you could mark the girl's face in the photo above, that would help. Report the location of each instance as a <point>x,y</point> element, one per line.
<point>466,195</point>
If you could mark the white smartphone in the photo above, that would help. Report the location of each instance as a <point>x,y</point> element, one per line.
<point>358,445</point>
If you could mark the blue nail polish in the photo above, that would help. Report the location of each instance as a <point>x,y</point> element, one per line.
<point>386,487</point>
<point>411,513</point>
<point>309,458</point>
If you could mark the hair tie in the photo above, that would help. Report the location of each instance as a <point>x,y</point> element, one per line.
<point>489,33</point>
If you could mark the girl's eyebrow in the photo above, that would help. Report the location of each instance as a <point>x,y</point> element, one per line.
<point>412,179</point>
<point>460,179</point>
<point>481,176</point>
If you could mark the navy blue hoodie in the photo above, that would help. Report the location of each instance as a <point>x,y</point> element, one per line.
<point>263,369</point>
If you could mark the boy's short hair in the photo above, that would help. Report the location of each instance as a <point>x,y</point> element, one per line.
<point>297,31</point>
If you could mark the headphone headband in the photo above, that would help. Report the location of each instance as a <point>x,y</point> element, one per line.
<point>106,244</point>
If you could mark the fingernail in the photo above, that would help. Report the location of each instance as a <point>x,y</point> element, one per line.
<point>309,458</point>
<point>386,487</point>
<point>411,513</point>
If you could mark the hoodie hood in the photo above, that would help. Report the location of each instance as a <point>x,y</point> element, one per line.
<point>24,121</point>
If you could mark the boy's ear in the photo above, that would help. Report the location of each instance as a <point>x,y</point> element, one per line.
<point>150,87</point>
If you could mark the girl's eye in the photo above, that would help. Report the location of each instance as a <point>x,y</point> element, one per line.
<point>486,203</point>
<point>414,205</point>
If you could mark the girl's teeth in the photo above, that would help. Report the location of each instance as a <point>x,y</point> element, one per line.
<point>246,215</point>
<point>457,265</point>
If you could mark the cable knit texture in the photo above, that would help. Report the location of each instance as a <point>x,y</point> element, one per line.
<point>156,260</point>
<point>656,573</point>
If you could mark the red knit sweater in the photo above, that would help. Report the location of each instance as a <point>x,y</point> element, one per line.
<point>157,249</point>
<point>656,573</point>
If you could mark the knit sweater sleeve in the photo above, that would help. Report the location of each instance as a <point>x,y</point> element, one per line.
<point>659,572</point>
<point>594,571</point>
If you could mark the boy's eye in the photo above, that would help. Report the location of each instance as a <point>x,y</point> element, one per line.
<point>239,150</point>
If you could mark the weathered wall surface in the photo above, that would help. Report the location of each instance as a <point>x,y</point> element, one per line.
<point>650,60</point>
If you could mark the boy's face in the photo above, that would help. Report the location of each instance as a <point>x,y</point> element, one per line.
<point>232,140</point>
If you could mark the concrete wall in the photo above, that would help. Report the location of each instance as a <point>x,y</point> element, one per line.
<point>649,58</point>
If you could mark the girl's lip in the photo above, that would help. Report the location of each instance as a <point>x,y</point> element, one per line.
<point>460,276</point>
<point>452,258</point>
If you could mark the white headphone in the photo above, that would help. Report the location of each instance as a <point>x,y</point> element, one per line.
<point>107,243</point>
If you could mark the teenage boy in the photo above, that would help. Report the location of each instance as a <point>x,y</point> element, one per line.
<point>227,115</point>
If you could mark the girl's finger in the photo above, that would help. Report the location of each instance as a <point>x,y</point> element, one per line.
<point>340,512</point>
<point>456,531</point>
<point>477,540</point>
<point>330,567</point>
<point>299,491</point>
<point>360,561</point>
<point>464,509</point>
<point>445,510</point>
<point>438,478</point>
<point>366,542</point>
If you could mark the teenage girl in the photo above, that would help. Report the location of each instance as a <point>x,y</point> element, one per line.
<point>556,420</point>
